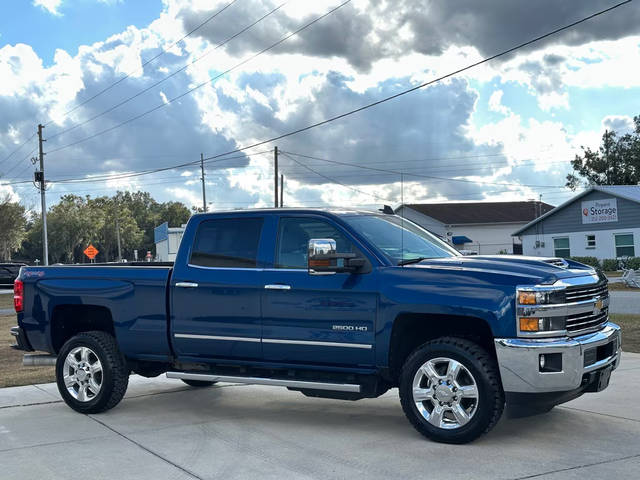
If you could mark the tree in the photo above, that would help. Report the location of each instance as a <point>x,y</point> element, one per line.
<point>616,162</point>
<point>13,222</point>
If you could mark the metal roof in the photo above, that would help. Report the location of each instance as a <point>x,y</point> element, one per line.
<point>467,213</point>
<point>628,192</point>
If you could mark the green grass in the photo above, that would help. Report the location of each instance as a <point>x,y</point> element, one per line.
<point>630,324</point>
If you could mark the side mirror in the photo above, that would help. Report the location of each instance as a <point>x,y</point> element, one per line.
<point>324,260</point>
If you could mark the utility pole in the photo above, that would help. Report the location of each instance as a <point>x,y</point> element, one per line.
<point>275,175</point>
<point>43,200</point>
<point>118,235</point>
<point>204,194</point>
<point>281,189</point>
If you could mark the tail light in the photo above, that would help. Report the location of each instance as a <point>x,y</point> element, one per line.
<point>18,295</point>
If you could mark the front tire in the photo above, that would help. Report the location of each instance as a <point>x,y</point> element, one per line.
<point>91,373</point>
<point>450,390</point>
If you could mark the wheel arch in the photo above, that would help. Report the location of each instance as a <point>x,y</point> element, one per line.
<point>410,330</point>
<point>70,320</point>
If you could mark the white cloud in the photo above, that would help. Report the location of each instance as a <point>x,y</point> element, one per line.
<point>51,6</point>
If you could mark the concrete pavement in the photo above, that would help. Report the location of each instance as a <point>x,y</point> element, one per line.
<point>164,429</point>
<point>625,302</point>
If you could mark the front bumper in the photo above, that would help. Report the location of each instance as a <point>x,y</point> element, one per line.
<point>519,360</point>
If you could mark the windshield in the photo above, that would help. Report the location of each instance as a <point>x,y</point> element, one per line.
<point>399,239</point>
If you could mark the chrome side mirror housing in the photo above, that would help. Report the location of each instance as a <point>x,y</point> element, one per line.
<point>323,259</point>
<point>321,256</point>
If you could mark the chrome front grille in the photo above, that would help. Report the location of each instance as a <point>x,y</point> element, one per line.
<point>587,292</point>
<point>581,322</point>
<point>588,321</point>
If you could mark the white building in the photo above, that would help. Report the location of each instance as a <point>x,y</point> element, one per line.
<point>484,228</point>
<point>601,222</point>
<point>167,241</point>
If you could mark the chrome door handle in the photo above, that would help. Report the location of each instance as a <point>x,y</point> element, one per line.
<point>277,286</point>
<point>186,284</point>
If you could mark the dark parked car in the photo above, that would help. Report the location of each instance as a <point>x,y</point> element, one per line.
<point>8,273</point>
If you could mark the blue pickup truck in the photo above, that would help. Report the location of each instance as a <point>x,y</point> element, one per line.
<point>339,304</point>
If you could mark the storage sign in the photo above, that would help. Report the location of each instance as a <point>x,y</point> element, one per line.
<point>600,211</point>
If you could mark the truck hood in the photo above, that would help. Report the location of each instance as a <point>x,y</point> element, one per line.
<point>539,269</point>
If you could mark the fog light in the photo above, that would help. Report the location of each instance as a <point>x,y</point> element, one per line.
<point>542,362</point>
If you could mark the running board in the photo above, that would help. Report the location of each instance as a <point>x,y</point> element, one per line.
<point>275,382</point>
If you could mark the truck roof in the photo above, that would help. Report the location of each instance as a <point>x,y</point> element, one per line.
<point>272,210</point>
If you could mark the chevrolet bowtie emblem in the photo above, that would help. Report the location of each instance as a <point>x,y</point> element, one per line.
<point>597,307</point>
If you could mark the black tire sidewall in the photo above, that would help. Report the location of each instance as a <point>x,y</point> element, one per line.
<point>486,394</point>
<point>100,401</point>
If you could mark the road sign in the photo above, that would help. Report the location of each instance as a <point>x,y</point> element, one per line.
<point>91,251</point>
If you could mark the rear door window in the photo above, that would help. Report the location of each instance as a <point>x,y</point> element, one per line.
<point>227,242</point>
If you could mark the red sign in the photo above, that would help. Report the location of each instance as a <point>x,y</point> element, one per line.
<point>91,252</point>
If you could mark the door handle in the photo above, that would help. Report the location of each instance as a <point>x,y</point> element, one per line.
<point>186,284</point>
<point>277,286</point>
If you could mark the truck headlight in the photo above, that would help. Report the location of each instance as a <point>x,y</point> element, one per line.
<point>536,315</point>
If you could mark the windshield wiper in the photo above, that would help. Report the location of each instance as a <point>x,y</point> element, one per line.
<point>412,260</point>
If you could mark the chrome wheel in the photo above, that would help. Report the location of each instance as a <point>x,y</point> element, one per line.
<point>82,374</point>
<point>445,393</point>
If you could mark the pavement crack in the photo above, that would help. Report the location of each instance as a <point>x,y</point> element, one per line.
<point>148,450</point>
<point>586,465</point>
<point>601,414</point>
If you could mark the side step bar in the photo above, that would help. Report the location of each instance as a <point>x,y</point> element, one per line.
<point>38,360</point>
<point>336,387</point>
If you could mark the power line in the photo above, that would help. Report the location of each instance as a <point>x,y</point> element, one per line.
<point>397,172</point>
<point>165,50</point>
<point>422,85</point>
<point>168,102</point>
<point>335,181</point>
<point>167,77</point>
<point>120,176</point>
<point>17,149</point>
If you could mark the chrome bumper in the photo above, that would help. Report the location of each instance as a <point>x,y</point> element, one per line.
<point>519,360</point>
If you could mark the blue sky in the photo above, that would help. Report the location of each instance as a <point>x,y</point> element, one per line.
<point>496,132</point>
<point>24,22</point>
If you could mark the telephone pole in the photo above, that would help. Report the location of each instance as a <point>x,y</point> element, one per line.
<point>43,201</point>
<point>204,194</point>
<point>275,176</point>
<point>118,235</point>
<point>281,189</point>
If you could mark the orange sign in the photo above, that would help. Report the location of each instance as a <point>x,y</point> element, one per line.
<point>91,252</point>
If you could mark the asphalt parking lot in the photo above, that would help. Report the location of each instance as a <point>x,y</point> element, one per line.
<point>164,429</point>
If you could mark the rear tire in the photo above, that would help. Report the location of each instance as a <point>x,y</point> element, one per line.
<point>198,383</point>
<point>91,372</point>
<point>450,390</point>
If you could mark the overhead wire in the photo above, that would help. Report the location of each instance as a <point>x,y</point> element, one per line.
<point>167,77</point>
<point>200,85</point>
<point>432,177</point>
<point>17,149</point>
<point>141,67</point>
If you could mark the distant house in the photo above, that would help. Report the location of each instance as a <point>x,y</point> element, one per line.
<point>484,228</point>
<point>601,222</point>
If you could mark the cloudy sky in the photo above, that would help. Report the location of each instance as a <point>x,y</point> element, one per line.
<point>505,130</point>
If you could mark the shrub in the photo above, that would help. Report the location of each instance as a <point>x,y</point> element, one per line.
<point>591,261</point>
<point>610,264</point>
<point>633,263</point>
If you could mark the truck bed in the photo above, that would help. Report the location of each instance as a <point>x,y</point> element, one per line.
<point>134,298</point>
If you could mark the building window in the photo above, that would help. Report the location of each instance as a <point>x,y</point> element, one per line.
<point>591,241</point>
<point>561,247</point>
<point>624,245</point>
